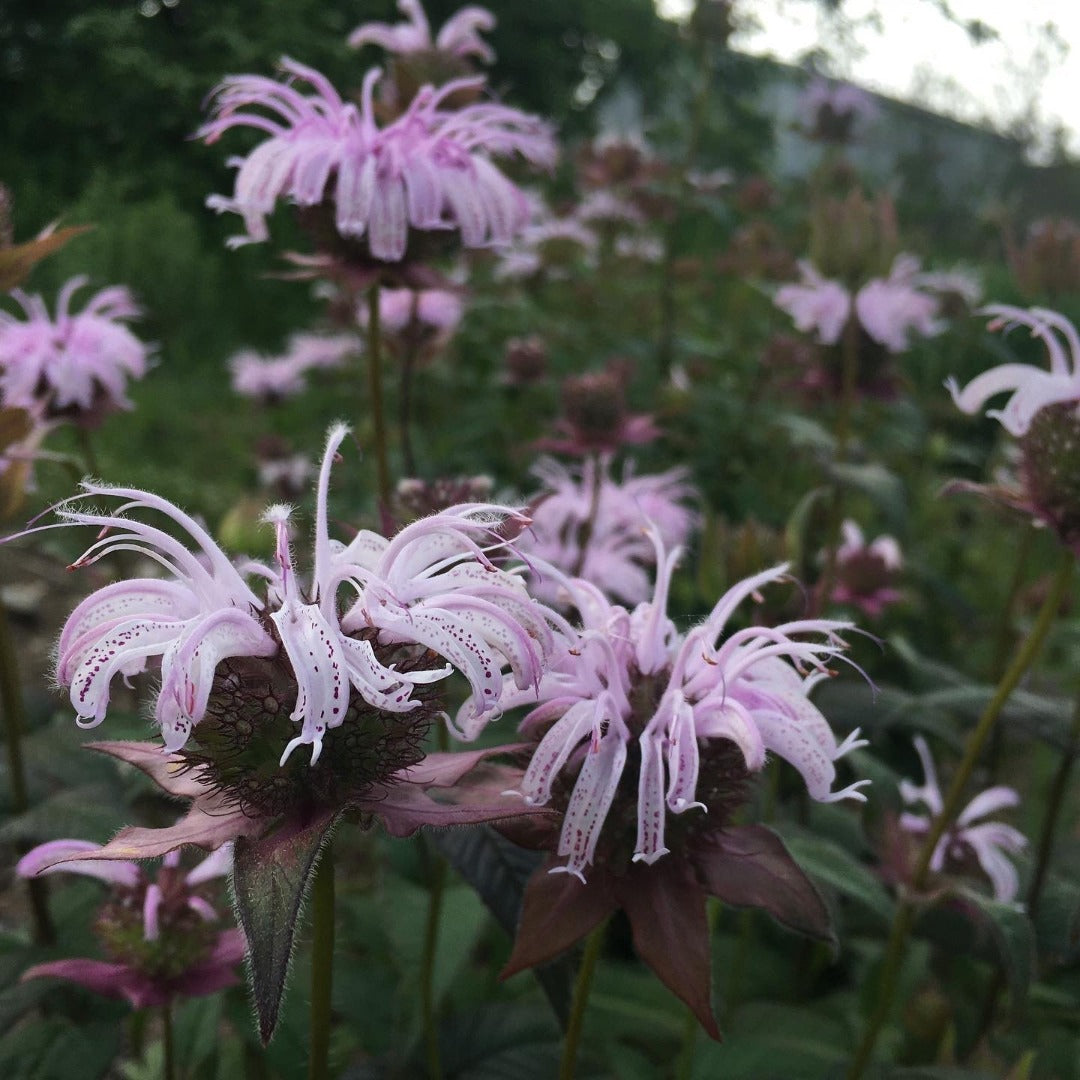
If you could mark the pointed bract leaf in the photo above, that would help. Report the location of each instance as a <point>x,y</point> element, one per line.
<point>271,875</point>
<point>666,908</point>
<point>749,866</point>
<point>558,911</point>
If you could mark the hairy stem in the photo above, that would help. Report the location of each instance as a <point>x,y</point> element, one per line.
<point>375,392</point>
<point>582,985</point>
<point>322,966</point>
<point>905,912</point>
<point>842,433</point>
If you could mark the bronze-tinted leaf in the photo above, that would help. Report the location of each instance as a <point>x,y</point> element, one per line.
<point>666,908</point>
<point>558,911</point>
<point>749,866</point>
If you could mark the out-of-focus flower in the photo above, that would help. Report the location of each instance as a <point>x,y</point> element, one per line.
<point>525,361</point>
<point>603,207</point>
<point>283,471</point>
<point>643,248</point>
<point>77,364</point>
<point>817,304</point>
<point>889,309</point>
<point>549,244</point>
<point>320,352</point>
<point>428,170</point>
<point>988,841</point>
<point>1046,264</point>
<point>595,418</point>
<point>588,525</point>
<point>865,573</point>
<point>265,378</point>
<point>416,498</point>
<point>959,290</point>
<point>1032,388</point>
<point>416,324</point>
<point>459,36</point>
<point>647,737</point>
<point>161,933</point>
<point>274,378</point>
<point>835,112</point>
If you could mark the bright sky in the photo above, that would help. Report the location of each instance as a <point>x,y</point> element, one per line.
<point>918,55</point>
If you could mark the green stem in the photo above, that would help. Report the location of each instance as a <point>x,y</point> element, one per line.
<point>14,710</point>
<point>848,383</point>
<point>582,985</point>
<point>905,912</point>
<point>168,1069</point>
<point>1004,636</point>
<point>427,966</point>
<point>1054,804</point>
<point>322,966</point>
<point>375,392</point>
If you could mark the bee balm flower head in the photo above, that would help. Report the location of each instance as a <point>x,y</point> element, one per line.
<point>429,170</point>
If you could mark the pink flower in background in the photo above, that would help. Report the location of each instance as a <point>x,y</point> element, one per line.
<point>548,243</point>
<point>891,308</point>
<point>438,311</point>
<point>988,841</point>
<point>429,169</point>
<point>266,378</point>
<point>160,933</point>
<point>636,683</point>
<point>817,304</point>
<point>320,352</point>
<point>273,378</point>
<point>605,207</point>
<point>834,111</point>
<point>79,361</point>
<point>614,551</point>
<point>865,572</point>
<point>888,309</point>
<point>460,35</point>
<point>1032,389</point>
<point>962,284</point>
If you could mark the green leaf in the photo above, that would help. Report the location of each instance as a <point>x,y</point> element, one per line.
<point>1057,923</point>
<point>498,870</point>
<point>770,1042</point>
<point>271,876</point>
<point>831,865</point>
<point>1014,937</point>
<point>883,488</point>
<point>92,811</point>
